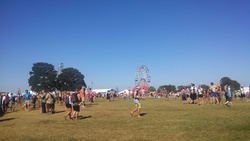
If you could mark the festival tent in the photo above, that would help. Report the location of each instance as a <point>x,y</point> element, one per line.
<point>127,91</point>
<point>246,89</point>
<point>103,91</point>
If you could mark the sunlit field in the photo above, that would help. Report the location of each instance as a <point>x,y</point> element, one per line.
<point>160,120</point>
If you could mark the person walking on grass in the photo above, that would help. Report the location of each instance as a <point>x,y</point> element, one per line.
<point>68,103</point>
<point>43,101</point>
<point>49,101</point>
<point>12,102</point>
<point>219,93</point>
<point>91,96</point>
<point>76,100</point>
<point>82,95</point>
<point>243,93</point>
<point>184,95</point>
<point>165,92</point>
<point>136,97</point>
<point>200,95</point>
<point>228,96</point>
<point>193,95</point>
<point>214,94</point>
<point>27,97</point>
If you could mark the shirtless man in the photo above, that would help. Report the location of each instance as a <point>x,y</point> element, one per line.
<point>213,89</point>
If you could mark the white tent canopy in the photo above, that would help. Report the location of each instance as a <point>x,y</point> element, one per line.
<point>127,91</point>
<point>102,91</point>
<point>246,89</point>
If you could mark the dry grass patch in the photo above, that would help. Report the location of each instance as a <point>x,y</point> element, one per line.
<point>107,121</point>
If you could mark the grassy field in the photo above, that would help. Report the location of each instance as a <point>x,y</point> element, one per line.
<point>107,121</point>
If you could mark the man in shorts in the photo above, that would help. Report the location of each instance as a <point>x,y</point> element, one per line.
<point>27,96</point>
<point>214,93</point>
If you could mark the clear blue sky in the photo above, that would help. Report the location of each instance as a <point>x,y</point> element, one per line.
<point>180,41</point>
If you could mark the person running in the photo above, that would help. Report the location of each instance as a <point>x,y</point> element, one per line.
<point>136,96</point>
<point>200,95</point>
<point>27,97</point>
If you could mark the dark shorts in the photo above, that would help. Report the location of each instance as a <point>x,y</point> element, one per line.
<point>76,108</point>
<point>193,96</point>
<point>60,98</point>
<point>184,97</point>
<point>68,105</point>
<point>229,99</point>
<point>49,106</point>
<point>200,95</point>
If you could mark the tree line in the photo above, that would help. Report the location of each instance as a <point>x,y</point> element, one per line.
<point>223,81</point>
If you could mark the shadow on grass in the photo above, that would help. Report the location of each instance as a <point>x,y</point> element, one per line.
<point>143,114</point>
<point>84,117</point>
<point>7,119</point>
<point>62,111</point>
<point>90,105</point>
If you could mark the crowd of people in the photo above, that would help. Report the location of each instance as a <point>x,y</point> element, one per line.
<point>212,94</point>
<point>75,100</point>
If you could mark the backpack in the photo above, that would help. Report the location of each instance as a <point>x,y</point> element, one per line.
<point>13,99</point>
<point>135,94</point>
<point>66,100</point>
<point>74,98</point>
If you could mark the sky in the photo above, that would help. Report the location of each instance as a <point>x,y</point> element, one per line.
<point>180,41</point>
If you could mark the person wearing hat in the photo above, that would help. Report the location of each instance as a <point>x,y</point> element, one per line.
<point>136,97</point>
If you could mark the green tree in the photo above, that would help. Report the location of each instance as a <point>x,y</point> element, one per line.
<point>152,89</point>
<point>170,88</point>
<point>42,76</point>
<point>179,88</point>
<point>234,84</point>
<point>70,79</point>
<point>204,86</point>
<point>224,81</point>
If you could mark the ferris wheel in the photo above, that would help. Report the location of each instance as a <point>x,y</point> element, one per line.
<point>142,77</point>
